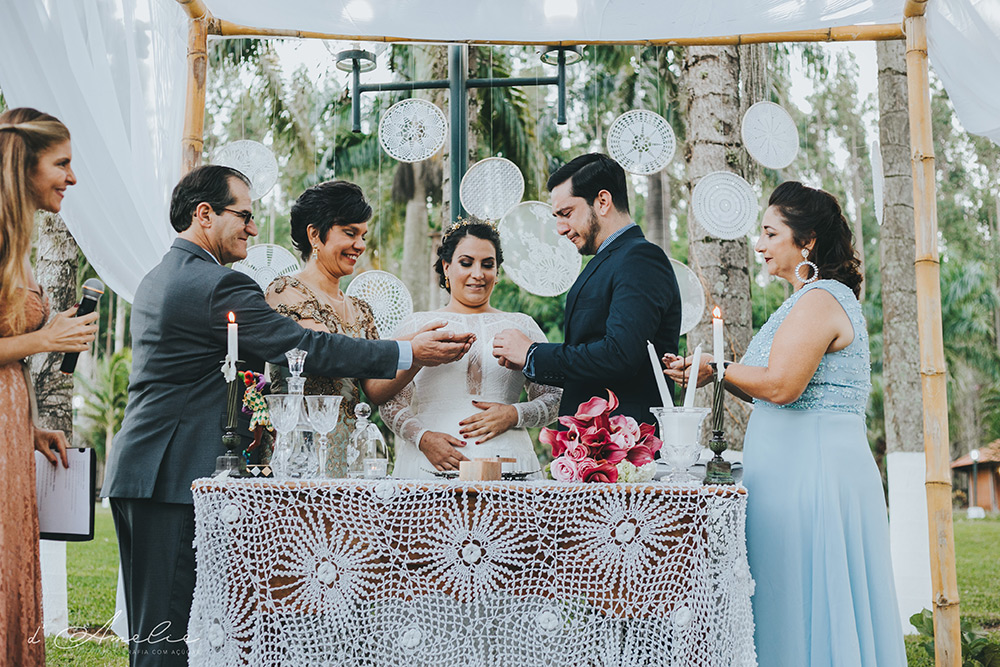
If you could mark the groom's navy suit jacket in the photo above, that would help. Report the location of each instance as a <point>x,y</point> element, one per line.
<point>627,294</point>
<point>173,423</point>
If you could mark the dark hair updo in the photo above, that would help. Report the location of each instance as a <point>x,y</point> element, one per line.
<point>457,232</point>
<point>815,214</point>
<point>324,205</point>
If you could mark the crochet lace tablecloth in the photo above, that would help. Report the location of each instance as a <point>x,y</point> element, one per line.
<point>445,574</point>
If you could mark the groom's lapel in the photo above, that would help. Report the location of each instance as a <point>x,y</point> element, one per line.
<point>582,279</point>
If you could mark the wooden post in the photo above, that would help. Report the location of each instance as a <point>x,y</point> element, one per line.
<point>194,105</point>
<point>947,640</point>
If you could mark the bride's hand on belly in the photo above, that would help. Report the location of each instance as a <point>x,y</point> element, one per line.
<point>439,448</point>
<point>494,419</point>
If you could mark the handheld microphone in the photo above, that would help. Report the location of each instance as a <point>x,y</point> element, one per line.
<point>92,291</point>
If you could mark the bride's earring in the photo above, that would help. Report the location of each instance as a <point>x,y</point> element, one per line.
<point>805,262</point>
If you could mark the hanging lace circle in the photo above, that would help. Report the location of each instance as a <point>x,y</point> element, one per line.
<point>412,130</point>
<point>267,261</point>
<point>769,135</point>
<point>878,181</point>
<point>388,297</point>
<point>692,296</point>
<point>252,159</point>
<point>641,141</point>
<point>491,187</point>
<point>725,205</point>
<point>536,257</point>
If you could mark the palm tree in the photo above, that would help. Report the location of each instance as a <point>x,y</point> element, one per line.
<point>105,399</point>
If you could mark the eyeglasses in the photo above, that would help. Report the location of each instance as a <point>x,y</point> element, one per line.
<point>246,215</point>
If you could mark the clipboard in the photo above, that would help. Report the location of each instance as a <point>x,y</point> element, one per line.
<point>66,496</point>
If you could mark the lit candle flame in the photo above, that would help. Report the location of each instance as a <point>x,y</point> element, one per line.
<point>716,313</point>
<point>232,316</point>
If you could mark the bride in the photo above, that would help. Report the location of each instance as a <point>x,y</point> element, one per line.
<point>468,409</point>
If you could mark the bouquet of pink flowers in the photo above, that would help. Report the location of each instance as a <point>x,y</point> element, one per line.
<point>597,447</point>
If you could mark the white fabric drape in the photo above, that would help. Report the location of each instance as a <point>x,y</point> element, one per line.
<point>113,71</point>
<point>963,42</point>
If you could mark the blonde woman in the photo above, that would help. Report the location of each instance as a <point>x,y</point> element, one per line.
<point>35,171</point>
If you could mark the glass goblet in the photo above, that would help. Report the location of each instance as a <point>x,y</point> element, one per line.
<point>284,410</point>
<point>323,413</point>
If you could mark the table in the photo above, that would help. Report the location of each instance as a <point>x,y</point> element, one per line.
<point>440,574</point>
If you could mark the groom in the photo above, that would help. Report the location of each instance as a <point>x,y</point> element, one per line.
<point>627,294</point>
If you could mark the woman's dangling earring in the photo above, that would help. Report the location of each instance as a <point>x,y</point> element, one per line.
<point>447,283</point>
<point>805,262</point>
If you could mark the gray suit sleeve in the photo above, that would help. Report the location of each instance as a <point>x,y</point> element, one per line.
<point>268,335</point>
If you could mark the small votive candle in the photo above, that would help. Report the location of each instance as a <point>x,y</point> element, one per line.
<point>376,468</point>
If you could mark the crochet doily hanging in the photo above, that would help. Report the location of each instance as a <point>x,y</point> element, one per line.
<point>536,257</point>
<point>491,187</point>
<point>267,261</point>
<point>388,297</point>
<point>692,296</point>
<point>641,141</point>
<point>252,159</point>
<point>412,130</point>
<point>769,135</point>
<point>725,205</point>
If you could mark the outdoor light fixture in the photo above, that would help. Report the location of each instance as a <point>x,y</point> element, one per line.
<point>346,60</point>
<point>974,455</point>
<point>571,55</point>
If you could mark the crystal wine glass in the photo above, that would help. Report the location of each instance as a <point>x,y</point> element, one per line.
<point>284,410</point>
<point>323,413</point>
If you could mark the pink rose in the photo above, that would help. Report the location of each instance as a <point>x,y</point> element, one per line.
<point>601,472</point>
<point>625,431</point>
<point>564,469</point>
<point>585,466</point>
<point>576,450</point>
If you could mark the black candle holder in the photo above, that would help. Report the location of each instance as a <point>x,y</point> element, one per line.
<point>718,470</point>
<point>232,461</point>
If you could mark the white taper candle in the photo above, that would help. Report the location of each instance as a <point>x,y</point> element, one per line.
<point>693,378</point>
<point>661,383</point>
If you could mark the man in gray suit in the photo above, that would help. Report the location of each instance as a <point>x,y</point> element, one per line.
<point>173,424</point>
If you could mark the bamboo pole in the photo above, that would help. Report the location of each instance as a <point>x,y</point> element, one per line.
<point>194,104</point>
<point>195,9</point>
<point>947,640</point>
<point>854,33</point>
<point>914,8</point>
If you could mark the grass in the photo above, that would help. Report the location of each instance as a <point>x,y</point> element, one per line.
<point>92,578</point>
<point>92,569</point>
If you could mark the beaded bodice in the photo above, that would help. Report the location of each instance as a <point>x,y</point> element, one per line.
<point>842,381</point>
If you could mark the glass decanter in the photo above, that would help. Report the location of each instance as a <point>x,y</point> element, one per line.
<point>295,452</point>
<point>367,453</point>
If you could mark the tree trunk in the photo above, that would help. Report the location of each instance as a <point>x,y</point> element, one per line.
<point>710,85</point>
<point>120,315</point>
<point>900,357</point>
<point>859,230</point>
<point>906,469</point>
<point>658,210</point>
<point>415,241</point>
<point>55,271</point>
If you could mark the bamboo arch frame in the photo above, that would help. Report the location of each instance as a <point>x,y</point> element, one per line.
<point>927,263</point>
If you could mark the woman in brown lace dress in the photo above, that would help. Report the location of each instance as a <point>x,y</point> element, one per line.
<point>34,174</point>
<point>329,223</point>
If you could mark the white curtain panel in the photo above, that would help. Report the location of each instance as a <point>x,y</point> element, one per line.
<point>113,71</point>
<point>964,46</point>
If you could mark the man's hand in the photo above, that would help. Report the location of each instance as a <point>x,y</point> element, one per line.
<point>44,441</point>
<point>433,346</point>
<point>510,347</point>
<point>439,448</point>
<point>492,420</point>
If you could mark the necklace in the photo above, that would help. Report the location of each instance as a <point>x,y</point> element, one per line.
<point>345,316</point>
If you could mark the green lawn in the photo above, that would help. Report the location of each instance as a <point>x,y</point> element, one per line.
<point>92,570</point>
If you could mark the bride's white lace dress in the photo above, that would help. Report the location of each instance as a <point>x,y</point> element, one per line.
<point>439,398</point>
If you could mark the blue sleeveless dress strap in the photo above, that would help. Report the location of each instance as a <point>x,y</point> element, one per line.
<point>817,529</point>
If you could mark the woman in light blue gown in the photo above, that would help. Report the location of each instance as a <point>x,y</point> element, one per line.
<point>817,531</point>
